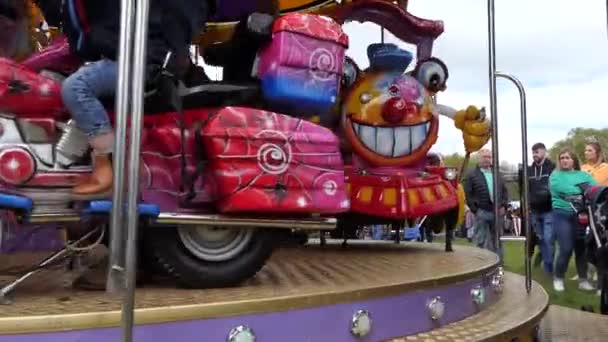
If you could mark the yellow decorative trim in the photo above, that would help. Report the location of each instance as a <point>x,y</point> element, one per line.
<point>217,32</point>
<point>461,204</point>
<point>389,197</point>
<point>365,194</point>
<point>34,20</point>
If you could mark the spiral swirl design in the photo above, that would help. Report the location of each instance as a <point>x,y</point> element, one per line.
<point>273,159</point>
<point>320,63</point>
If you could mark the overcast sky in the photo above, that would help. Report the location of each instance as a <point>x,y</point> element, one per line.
<point>557,49</point>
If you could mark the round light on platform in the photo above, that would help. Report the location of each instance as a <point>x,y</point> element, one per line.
<point>478,294</point>
<point>500,271</point>
<point>361,323</point>
<point>436,308</point>
<point>241,333</point>
<point>498,283</point>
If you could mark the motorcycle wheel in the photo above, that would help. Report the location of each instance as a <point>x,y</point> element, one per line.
<point>207,257</point>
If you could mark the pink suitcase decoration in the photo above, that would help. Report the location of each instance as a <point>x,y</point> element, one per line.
<point>268,162</point>
<point>57,57</point>
<point>300,69</point>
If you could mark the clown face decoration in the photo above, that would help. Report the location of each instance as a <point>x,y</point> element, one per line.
<point>389,117</point>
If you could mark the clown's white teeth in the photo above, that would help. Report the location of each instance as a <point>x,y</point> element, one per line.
<point>367,134</point>
<point>402,142</point>
<point>385,139</point>
<point>418,135</point>
<point>392,141</point>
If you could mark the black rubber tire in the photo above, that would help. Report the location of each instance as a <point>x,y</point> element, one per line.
<point>167,253</point>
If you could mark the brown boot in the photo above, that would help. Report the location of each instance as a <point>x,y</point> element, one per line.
<point>93,279</point>
<point>99,183</point>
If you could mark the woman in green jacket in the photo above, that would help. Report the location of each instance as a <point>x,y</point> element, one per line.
<point>568,232</point>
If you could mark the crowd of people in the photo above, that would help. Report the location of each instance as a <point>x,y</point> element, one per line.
<point>553,214</point>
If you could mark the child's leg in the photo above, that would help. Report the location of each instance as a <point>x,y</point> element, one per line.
<point>81,92</point>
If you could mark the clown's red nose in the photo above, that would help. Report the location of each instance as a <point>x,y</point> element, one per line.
<point>396,108</point>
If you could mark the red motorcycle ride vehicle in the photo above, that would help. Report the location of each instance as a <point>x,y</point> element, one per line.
<point>222,170</point>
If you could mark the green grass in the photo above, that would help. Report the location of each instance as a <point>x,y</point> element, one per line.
<point>572,297</point>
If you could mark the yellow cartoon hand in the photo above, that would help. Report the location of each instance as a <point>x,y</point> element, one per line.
<point>475,128</point>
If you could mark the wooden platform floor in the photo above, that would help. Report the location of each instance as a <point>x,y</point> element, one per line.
<point>563,324</point>
<point>514,312</point>
<point>304,275</point>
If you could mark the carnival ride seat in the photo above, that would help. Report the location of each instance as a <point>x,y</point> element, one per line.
<point>237,56</point>
<point>210,94</point>
<point>198,94</point>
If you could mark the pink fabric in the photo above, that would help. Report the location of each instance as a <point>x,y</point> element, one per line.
<point>55,57</point>
<point>265,161</point>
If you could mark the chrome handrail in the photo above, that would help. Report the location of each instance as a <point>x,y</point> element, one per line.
<point>493,74</point>
<point>115,280</point>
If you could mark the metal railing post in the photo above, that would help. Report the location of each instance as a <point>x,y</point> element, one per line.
<point>115,280</point>
<point>494,118</point>
<point>525,214</point>
<point>139,78</point>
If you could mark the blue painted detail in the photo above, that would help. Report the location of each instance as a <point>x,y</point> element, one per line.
<point>388,57</point>
<point>301,96</point>
<point>411,233</point>
<point>105,207</point>
<point>16,202</point>
<point>149,210</point>
<point>99,207</point>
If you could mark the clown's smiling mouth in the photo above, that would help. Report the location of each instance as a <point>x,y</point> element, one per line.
<point>393,142</point>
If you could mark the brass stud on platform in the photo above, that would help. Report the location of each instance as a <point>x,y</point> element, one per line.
<point>498,283</point>
<point>361,323</point>
<point>436,308</point>
<point>242,333</point>
<point>478,294</point>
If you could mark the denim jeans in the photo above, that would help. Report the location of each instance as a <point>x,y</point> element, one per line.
<point>378,232</point>
<point>542,225</point>
<point>426,233</point>
<point>484,235</point>
<point>81,92</point>
<point>565,225</point>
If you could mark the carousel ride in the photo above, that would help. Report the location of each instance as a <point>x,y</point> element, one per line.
<point>295,138</point>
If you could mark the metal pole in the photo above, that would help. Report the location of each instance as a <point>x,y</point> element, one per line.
<point>524,184</point>
<point>115,281</point>
<point>494,118</point>
<point>137,96</point>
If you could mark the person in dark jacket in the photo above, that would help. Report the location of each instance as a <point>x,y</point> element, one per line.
<point>479,190</point>
<point>92,28</point>
<point>540,203</point>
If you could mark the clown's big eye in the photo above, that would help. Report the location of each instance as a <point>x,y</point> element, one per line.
<point>432,74</point>
<point>350,72</point>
